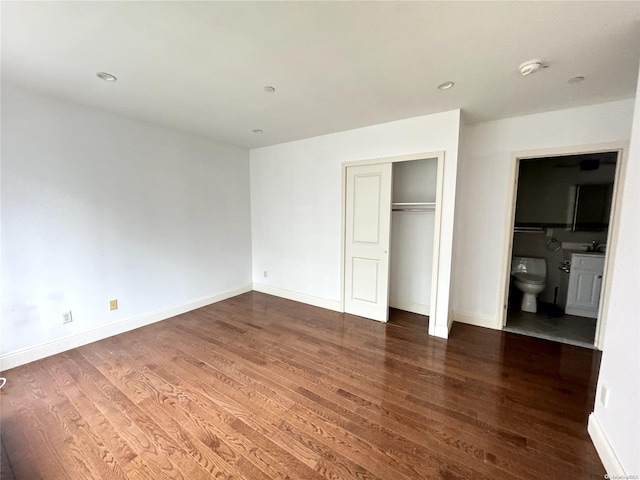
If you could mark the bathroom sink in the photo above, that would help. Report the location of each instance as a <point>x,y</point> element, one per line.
<point>574,247</point>
<point>582,252</point>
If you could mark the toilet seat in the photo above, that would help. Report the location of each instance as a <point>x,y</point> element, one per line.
<point>529,278</point>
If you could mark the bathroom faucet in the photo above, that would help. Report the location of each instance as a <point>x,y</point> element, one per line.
<point>595,247</point>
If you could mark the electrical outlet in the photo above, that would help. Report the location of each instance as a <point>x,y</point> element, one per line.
<point>265,274</point>
<point>604,396</point>
<point>113,304</point>
<point>66,317</point>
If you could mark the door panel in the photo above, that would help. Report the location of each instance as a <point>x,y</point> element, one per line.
<point>366,208</point>
<point>585,285</point>
<point>588,289</point>
<point>368,228</point>
<point>365,269</point>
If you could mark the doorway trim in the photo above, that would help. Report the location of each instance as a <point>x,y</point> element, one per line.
<point>439,156</point>
<point>612,234</point>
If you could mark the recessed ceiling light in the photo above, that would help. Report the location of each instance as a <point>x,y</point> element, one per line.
<point>107,77</point>
<point>446,85</point>
<point>257,130</point>
<point>576,79</point>
<point>269,89</point>
<point>530,66</point>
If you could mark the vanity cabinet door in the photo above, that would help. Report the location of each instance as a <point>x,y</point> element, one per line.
<point>585,283</point>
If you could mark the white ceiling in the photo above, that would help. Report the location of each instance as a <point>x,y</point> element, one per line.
<point>202,66</point>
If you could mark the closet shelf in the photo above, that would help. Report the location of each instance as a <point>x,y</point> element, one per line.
<point>413,207</point>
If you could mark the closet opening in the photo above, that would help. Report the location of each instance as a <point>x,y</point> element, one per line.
<point>392,215</point>
<point>413,210</point>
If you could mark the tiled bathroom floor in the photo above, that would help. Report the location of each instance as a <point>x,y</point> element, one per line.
<point>568,329</point>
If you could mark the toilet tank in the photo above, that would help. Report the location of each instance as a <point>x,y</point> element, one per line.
<point>534,266</point>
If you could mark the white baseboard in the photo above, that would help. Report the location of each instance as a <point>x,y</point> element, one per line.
<point>31,354</point>
<point>441,331</point>
<point>609,459</point>
<point>412,307</point>
<point>477,320</point>
<point>298,297</point>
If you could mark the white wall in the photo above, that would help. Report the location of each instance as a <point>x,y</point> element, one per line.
<point>415,181</point>
<point>484,186</point>
<point>619,423</point>
<point>411,260</point>
<point>296,195</point>
<point>97,206</point>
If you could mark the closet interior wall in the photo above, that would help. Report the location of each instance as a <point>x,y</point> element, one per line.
<point>412,235</point>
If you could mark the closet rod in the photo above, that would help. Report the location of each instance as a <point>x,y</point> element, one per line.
<point>425,210</point>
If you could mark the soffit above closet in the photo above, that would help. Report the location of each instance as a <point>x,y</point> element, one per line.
<point>202,67</point>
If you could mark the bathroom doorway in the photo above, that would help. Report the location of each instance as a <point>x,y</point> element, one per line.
<point>563,208</point>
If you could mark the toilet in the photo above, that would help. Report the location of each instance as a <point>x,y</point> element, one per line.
<point>530,277</point>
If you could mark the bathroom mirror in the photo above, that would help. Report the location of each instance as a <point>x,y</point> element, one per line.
<point>592,207</point>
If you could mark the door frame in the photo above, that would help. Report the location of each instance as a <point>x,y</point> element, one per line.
<point>439,157</point>
<point>612,234</point>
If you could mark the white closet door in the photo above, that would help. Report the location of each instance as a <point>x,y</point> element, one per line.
<point>367,237</point>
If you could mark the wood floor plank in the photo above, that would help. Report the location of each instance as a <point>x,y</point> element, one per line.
<point>232,407</point>
<point>494,456</point>
<point>45,417</point>
<point>279,392</point>
<point>203,441</point>
<point>286,388</point>
<point>135,427</point>
<point>449,398</point>
<point>398,407</point>
<point>132,464</point>
<point>349,415</point>
<point>282,386</point>
<point>261,388</point>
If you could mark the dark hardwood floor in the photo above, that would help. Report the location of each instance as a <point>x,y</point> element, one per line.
<point>258,388</point>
